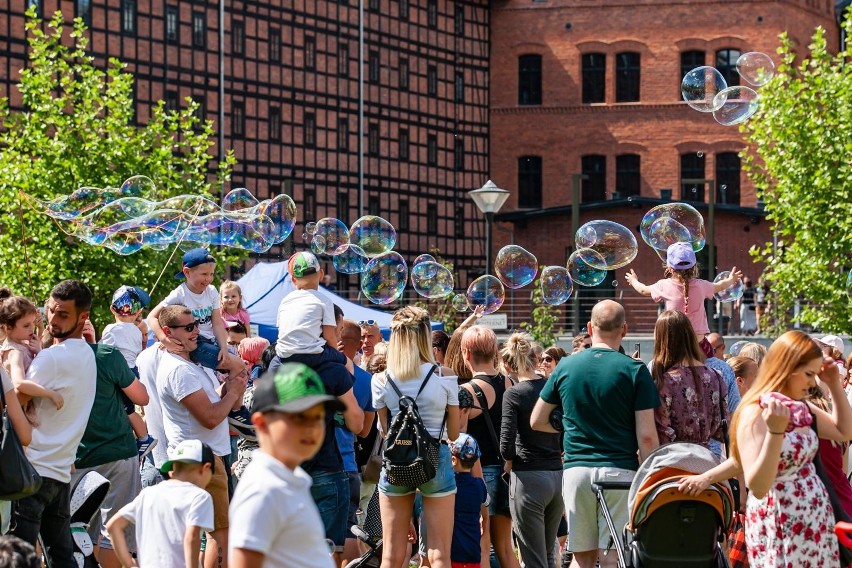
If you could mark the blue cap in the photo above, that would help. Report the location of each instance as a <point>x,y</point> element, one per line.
<point>195,257</point>
<point>465,447</point>
<point>128,300</point>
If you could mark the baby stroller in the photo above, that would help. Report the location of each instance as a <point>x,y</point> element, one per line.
<point>667,528</point>
<point>370,534</point>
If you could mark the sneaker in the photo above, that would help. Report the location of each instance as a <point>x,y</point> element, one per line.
<point>240,421</point>
<point>145,446</point>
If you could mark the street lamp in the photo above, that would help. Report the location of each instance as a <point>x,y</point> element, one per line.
<point>489,198</point>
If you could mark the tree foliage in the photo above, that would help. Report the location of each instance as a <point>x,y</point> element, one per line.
<point>543,317</point>
<point>798,158</point>
<point>78,128</point>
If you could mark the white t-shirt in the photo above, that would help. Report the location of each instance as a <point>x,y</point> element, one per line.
<point>126,337</point>
<point>178,378</point>
<point>432,403</point>
<point>289,534</point>
<point>202,306</point>
<point>70,369</point>
<point>147,364</point>
<point>161,514</point>
<point>301,315</point>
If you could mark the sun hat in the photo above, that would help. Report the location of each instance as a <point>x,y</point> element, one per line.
<point>189,451</point>
<point>294,387</point>
<point>128,300</point>
<point>465,447</point>
<point>680,256</point>
<point>834,341</point>
<point>302,264</point>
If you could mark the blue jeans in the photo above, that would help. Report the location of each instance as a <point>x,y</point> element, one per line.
<point>330,492</point>
<point>444,482</point>
<point>206,353</point>
<point>47,512</point>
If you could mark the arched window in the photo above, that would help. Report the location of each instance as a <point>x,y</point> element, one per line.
<point>594,78</point>
<point>627,72</point>
<point>726,63</point>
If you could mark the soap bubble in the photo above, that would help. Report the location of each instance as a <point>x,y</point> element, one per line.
<point>585,274</point>
<point>556,285</point>
<point>614,245</point>
<point>311,227</point>
<point>427,268</point>
<point>351,260</point>
<point>138,185</point>
<point>665,232</point>
<point>700,86</point>
<point>515,267</point>
<point>683,214</point>
<point>460,303</point>
<point>735,105</point>
<point>432,280</point>
<point>731,294</point>
<point>756,68</point>
<point>330,237</point>
<point>384,278</point>
<point>486,291</point>
<point>239,198</point>
<point>373,234</point>
<point>735,349</point>
<point>700,154</point>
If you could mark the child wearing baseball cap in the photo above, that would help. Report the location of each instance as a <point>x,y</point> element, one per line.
<point>471,503</point>
<point>307,328</point>
<point>272,512</point>
<point>169,516</point>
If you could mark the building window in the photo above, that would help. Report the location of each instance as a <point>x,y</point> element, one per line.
<point>459,222</point>
<point>274,124</point>
<point>594,77</point>
<point>403,143</point>
<point>84,11</point>
<point>728,178</point>
<point>310,53</point>
<point>128,17</point>
<point>199,29</point>
<point>172,103</point>
<point>432,150</point>
<point>689,60</point>
<point>594,186</point>
<point>403,74</point>
<point>726,63</point>
<point>459,85</point>
<point>172,21</point>
<point>373,139</point>
<point>310,205</point>
<point>432,13</point>
<point>342,205</point>
<point>403,9</point>
<point>628,178</point>
<point>238,118</point>
<point>310,129</point>
<point>39,10</point>
<point>529,182</point>
<point>343,59</point>
<point>374,206</point>
<point>627,72</point>
<point>238,37</point>
<point>432,219</point>
<point>458,155</point>
<point>275,45</point>
<point>343,134</point>
<point>692,166</point>
<point>374,6</point>
<point>459,20</point>
<point>529,79</point>
<point>404,213</point>
<point>432,80</point>
<point>373,67</point>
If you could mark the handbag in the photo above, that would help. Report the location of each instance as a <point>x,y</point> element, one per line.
<point>737,553</point>
<point>373,467</point>
<point>18,477</point>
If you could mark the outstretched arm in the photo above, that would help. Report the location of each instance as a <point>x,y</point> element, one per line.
<point>726,283</point>
<point>638,286</point>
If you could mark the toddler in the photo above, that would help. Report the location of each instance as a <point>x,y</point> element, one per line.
<point>471,503</point>
<point>231,298</point>
<point>125,335</point>
<point>18,320</point>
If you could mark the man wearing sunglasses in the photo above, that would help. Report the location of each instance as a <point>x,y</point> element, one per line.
<point>193,409</point>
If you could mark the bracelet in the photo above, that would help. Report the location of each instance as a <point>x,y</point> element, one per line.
<point>775,433</point>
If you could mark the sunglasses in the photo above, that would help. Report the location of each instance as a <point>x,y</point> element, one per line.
<point>547,359</point>
<point>189,328</point>
<point>587,345</point>
<point>362,323</point>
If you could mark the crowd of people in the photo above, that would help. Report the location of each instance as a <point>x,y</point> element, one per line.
<point>224,449</point>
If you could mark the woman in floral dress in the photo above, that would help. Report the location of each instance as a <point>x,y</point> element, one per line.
<point>789,517</point>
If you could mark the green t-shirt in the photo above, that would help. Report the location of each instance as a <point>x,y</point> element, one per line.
<point>599,390</point>
<point>108,436</point>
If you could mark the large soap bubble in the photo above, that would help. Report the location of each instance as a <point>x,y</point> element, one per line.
<point>732,293</point>
<point>486,291</point>
<point>432,280</point>
<point>515,267</point>
<point>556,285</point>
<point>239,198</point>
<point>583,273</point>
<point>700,86</point>
<point>737,104</point>
<point>384,278</point>
<point>614,245</point>
<point>460,303</point>
<point>668,221</point>
<point>427,261</point>
<point>351,260</point>
<point>756,68</point>
<point>330,237</point>
<point>373,234</point>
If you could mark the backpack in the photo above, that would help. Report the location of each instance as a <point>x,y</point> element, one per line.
<point>410,458</point>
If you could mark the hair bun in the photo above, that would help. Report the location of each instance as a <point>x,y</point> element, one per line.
<point>5,293</point>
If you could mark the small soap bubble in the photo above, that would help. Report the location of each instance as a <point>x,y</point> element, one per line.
<point>515,266</point>
<point>318,244</point>
<point>556,285</point>
<point>384,278</point>
<point>373,234</point>
<point>352,260</point>
<point>614,245</point>
<point>700,86</point>
<point>460,303</point>
<point>424,265</point>
<point>311,228</point>
<point>432,280</point>
<point>582,273</point>
<point>401,268</point>
<point>756,68</point>
<point>700,154</point>
<point>334,234</point>
<point>306,237</point>
<point>735,105</point>
<point>735,349</point>
<point>732,293</point>
<point>486,291</point>
<point>615,283</point>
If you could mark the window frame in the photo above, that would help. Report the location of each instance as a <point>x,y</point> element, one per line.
<point>530,181</point>
<point>343,133</point>
<point>199,35</point>
<point>172,24</point>
<point>431,149</point>
<point>594,178</point>
<point>274,127</point>
<point>374,66</point>
<point>310,130</point>
<point>628,77</point>
<point>529,79</point>
<point>724,176</point>
<point>692,171</point>
<point>238,37</point>
<point>238,118</point>
<point>432,80</point>
<point>374,142</point>
<point>593,78</point>
<point>129,17</point>
<point>728,68</point>
<point>310,53</point>
<point>404,144</point>
<point>432,218</point>
<point>628,177</point>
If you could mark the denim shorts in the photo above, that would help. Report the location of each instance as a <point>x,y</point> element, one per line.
<point>491,475</point>
<point>206,353</point>
<point>331,495</point>
<point>444,482</point>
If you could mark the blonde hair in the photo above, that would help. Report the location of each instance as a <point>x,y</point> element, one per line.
<point>410,343</point>
<point>683,276</point>
<point>519,352</point>
<point>231,285</point>
<point>785,355</point>
<point>754,351</point>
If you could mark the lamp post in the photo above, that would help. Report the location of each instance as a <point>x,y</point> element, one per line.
<point>576,180</point>
<point>711,230</point>
<point>489,199</point>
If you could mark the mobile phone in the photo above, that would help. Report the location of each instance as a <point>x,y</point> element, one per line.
<point>637,347</point>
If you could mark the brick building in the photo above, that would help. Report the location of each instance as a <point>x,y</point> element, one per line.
<point>591,89</point>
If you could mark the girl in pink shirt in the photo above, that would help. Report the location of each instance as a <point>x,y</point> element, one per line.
<point>682,290</point>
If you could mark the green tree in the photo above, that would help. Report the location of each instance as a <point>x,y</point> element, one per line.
<point>798,158</point>
<point>79,129</point>
<point>441,309</point>
<point>543,318</point>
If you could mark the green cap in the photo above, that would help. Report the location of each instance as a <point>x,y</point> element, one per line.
<point>302,264</point>
<point>293,387</point>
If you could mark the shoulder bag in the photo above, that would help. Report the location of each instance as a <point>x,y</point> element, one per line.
<point>18,477</point>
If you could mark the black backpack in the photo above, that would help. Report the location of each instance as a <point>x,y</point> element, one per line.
<point>410,458</point>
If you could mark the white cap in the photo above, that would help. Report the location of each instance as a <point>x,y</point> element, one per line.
<point>834,341</point>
